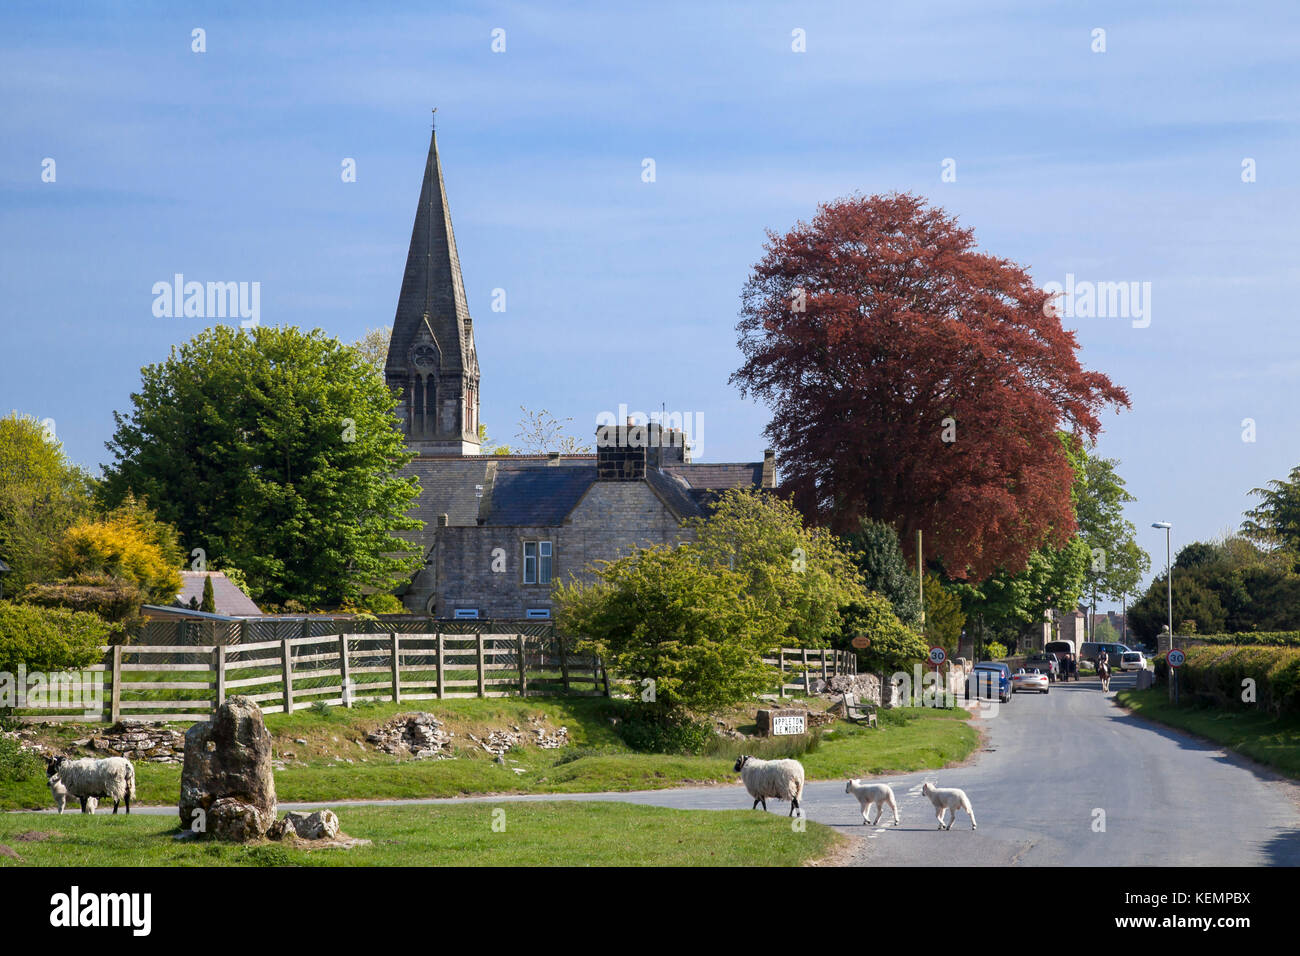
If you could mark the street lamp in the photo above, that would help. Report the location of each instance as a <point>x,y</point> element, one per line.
<point>1169,576</point>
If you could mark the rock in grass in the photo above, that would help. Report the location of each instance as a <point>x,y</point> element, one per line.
<point>229,759</point>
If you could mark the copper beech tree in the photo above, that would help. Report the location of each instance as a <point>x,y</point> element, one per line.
<point>917,381</point>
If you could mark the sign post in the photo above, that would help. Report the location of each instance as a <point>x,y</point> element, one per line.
<point>1176,659</point>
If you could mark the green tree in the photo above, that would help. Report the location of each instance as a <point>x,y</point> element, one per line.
<point>1116,563</point>
<point>894,646</point>
<point>487,446</point>
<point>800,578</point>
<point>209,602</point>
<point>1275,521</point>
<point>42,494</point>
<point>944,617</point>
<point>277,451</point>
<point>373,348</point>
<point>676,625</point>
<point>876,552</point>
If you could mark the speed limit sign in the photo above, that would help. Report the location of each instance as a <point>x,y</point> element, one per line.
<point>1177,658</point>
<point>938,655</point>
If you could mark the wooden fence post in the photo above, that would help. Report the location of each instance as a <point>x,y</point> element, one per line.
<point>805,670</point>
<point>440,665</point>
<point>219,662</point>
<point>287,671</point>
<point>480,664</point>
<point>397,668</point>
<point>780,651</point>
<point>824,674</point>
<point>345,671</point>
<point>564,664</point>
<point>116,705</point>
<point>523,671</point>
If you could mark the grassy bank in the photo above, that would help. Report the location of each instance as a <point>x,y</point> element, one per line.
<point>1270,740</point>
<point>559,834</point>
<point>334,763</point>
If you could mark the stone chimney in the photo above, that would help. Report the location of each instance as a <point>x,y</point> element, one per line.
<point>769,468</point>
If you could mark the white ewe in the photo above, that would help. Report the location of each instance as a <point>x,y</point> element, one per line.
<point>945,799</point>
<point>87,779</point>
<point>772,779</point>
<point>878,795</point>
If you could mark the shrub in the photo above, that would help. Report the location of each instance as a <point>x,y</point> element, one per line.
<point>125,544</point>
<point>49,639</point>
<point>653,731</point>
<point>384,604</point>
<point>113,599</point>
<point>1247,638</point>
<point>16,764</point>
<point>1218,672</point>
<point>995,651</point>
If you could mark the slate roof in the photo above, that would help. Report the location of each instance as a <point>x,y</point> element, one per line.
<point>229,599</point>
<point>719,475</point>
<point>537,494</point>
<point>537,491</point>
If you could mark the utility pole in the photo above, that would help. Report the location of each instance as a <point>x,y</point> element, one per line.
<point>920,581</point>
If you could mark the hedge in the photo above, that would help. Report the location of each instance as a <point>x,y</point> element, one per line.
<point>1217,672</point>
<point>49,639</point>
<point>1251,638</point>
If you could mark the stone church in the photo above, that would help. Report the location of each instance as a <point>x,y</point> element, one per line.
<point>499,529</point>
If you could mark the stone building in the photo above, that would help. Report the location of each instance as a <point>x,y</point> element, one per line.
<point>498,530</point>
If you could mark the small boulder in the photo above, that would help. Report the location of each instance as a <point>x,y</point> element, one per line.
<point>235,820</point>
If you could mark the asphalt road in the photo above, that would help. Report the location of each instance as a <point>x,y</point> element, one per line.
<point>1050,763</point>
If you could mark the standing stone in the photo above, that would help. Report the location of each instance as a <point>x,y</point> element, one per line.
<point>228,760</point>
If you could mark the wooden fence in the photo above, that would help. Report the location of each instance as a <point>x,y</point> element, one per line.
<point>804,665</point>
<point>175,682</point>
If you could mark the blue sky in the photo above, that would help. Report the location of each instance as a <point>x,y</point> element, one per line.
<point>225,165</point>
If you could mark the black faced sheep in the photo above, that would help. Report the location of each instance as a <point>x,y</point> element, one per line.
<point>772,779</point>
<point>87,779</point>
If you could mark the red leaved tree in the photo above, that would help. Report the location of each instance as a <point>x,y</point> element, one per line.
<point>917,381</point>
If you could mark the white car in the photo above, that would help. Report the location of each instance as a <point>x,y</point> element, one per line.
<point>1132,661</point>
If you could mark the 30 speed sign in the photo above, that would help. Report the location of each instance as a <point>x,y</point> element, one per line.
<point>1177,658</point>
<point>938,655</point>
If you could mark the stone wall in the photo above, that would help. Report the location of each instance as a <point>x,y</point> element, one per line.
<point>611,519</point>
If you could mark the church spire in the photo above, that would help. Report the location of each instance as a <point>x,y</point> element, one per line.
<point>431,356</point>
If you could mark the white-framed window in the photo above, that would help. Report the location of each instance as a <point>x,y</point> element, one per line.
<point>466,614</point>
<point>537,562</point>
<point>538,613</point>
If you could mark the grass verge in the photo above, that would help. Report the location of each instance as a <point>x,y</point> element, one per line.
<point>1274,741</point>
<point>336,764</point>
<point>542,834</point>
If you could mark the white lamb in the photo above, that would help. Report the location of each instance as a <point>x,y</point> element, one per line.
<point>878,795</point>
<point>772,780</point>
<point>948,798</point>
<point>89,779</point>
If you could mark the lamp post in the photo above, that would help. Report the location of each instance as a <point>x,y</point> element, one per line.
<point>1169,576</point>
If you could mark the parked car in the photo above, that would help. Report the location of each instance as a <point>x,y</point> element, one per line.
<point>1132,661</point>
<point>1034,679</point>
<point>990,677</point>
